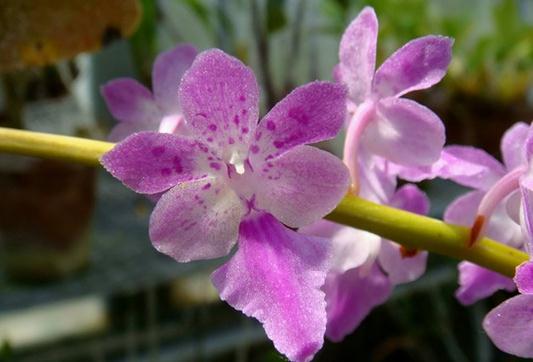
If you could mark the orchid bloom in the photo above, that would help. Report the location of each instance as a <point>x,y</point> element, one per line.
<point>137,109</point>
<point>234,179</point>
<point>365,267</point>
<point>495,200</point>
<point>510,325</point>
<point>500,207</point>
<point>398,129</point>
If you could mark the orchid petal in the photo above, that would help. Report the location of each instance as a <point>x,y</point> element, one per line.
<point>419,64</point>
<point>528,146</point>
<point>398,268</point>
<point>377,183</point>
<point>526,190</point>
<point>524,277</point>
<point>510,326</point>
<point>471,167</point>
<point>513,206</point>
<point>130,101</point>
<point>301,186</point>
<point>350,297</point>
<point>468,166</point>
<point>196,220</point>
<point>124,129</point>
<point>311,113</point>
<point>463,210</point>
<point>276,276</point>
<point>167,72</point>
<point>476,283</point>
<point>512,145</point>
<point>351,247</point>
<point>357,53</point>
<point>405,132</point>
<point>410,198</point>
<point>151,162</point>
<point>219,97</point>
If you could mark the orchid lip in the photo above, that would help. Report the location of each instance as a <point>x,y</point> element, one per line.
<point>505,186</point>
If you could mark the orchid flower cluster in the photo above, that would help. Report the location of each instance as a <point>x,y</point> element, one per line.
<point>223,180</point>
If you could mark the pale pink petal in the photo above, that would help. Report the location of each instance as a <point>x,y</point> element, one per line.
<point>276,276</point>
<point>357,53</point>
<point>124,129</point>
<point>463,210</point>
<point>405,132</point>
<point>526,190</point>
<point>524,278</point>
<point>419,64</point>
<point>510,326</point>
<point>351,247</point>
<point>476,283</point>
<point>377,183</point>
<point>513,206</point>
<point>301,186</point>
<point>167,72</point>
<point>398,268</point>
<point>151,162</point>
<point>196,220</point>
<point>465,165</point>
<point>528,146</point>
<point>130,101</point>
<point>512,145</point>
<point>322,228</point>
<point>351,296</point>
<point>410,198</point>
<point>311,113</point>
<point>219,98</point>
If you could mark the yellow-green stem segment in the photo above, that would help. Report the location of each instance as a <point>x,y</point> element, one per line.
<point>45,145</point>
<point>411,230</point>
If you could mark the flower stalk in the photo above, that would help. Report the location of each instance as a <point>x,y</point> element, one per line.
<point>410,230</point>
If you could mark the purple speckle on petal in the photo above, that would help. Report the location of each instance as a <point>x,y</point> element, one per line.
<point>209,139</point>
<point>166,171</point>
<point>298,115</point>
<point>236,119</point>
<point>206,186</point>
<point>158,151</point>
<point>271,126</point>
<point>242,98</point>
<point>243,112</point>
<point>215,166</point>
<point>231,140</point>
<point>177,165</point>
<point>254,148</point>
<point>213,127</point>
<point>245,130</point>
<point>278,144</point>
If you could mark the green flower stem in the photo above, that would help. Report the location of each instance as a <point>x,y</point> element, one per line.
<point>410,230</point>
<point>421,232</point>
<point>45,145</point>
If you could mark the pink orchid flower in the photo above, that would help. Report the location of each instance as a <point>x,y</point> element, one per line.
<point>500,207</point>
<point>234,180</point>
<point>397,129</point>
<point>137,109</point>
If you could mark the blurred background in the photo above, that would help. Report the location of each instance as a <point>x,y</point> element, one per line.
<point>79,280</point>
